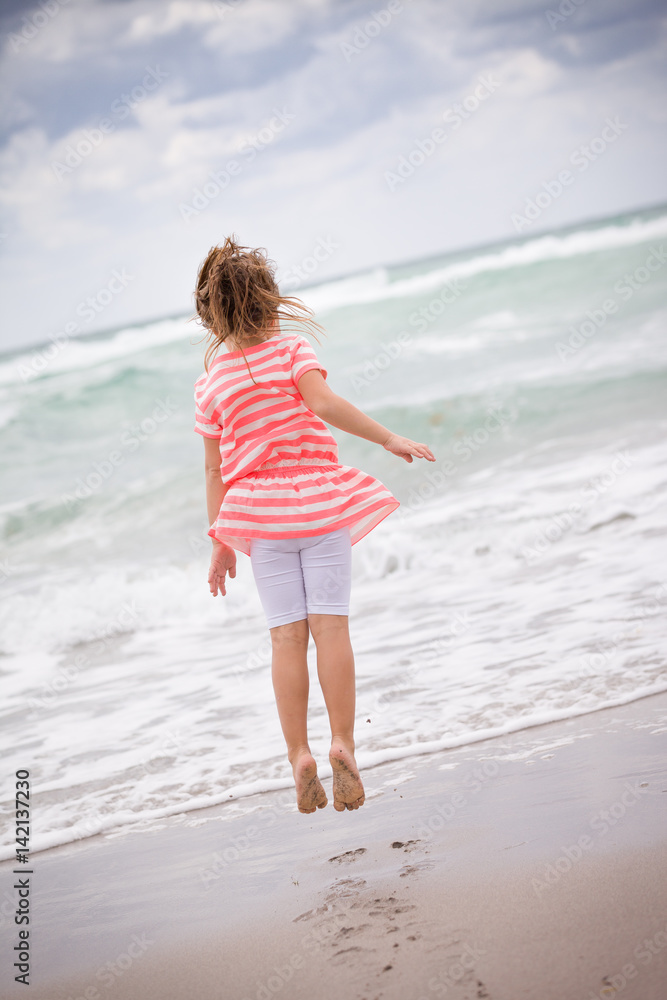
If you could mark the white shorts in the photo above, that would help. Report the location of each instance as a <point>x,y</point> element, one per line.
<point>297,577</point>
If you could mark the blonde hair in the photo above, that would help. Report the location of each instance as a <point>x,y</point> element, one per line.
<point>237,298</point>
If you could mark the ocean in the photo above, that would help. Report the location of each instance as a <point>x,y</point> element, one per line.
<point>522,580</point>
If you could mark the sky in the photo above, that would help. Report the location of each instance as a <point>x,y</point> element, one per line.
<point>340,135</point>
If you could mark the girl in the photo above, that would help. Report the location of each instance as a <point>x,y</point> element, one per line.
<point>276,491</point>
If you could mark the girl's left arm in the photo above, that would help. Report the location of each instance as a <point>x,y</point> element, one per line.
<point>223,560</point>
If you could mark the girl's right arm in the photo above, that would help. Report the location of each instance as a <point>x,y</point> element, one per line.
<point>339,412</point>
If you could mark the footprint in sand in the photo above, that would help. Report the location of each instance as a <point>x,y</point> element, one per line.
<point>349,856</point>
<point>407,845</point>
<point>419,866</point>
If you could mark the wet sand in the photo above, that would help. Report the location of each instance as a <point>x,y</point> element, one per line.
<point>529,866</point>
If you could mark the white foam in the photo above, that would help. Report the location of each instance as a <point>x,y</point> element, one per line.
<point>324,298</point>
<point>345,291</point>
<point>78,353</point>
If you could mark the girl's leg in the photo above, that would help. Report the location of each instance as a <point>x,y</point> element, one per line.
<point>335,669</point>
<point>327,574</point>
<point>289,671</point>
<point>277,572</point>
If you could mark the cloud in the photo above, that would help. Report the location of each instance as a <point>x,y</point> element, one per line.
<point>352,115</point>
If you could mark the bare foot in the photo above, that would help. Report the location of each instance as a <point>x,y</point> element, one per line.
<point>310,794</point>
<point>348,790</point>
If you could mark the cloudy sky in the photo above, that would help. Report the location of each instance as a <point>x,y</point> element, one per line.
<point>338,134</point>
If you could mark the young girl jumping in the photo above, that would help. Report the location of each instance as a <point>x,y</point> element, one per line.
<point>276,491</point>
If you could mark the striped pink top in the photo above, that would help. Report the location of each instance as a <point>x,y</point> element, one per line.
<point>278,458</point>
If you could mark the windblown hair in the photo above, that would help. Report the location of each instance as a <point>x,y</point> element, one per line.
<point>237,299</point>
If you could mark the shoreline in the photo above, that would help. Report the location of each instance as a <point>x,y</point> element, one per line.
<point>528,865</point>
<point>370,761</point>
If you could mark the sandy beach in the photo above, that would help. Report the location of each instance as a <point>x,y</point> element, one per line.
<point>532,866</point>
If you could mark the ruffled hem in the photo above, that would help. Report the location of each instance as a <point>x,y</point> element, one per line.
<point>299,501</point>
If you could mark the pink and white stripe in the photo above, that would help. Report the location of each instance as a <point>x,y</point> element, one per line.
<point>279,460</point>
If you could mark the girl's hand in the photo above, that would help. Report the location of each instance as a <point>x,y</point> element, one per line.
<point>405,448</point>
<point>223,561</point>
